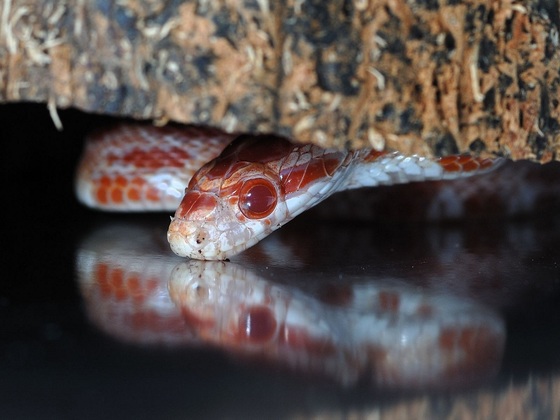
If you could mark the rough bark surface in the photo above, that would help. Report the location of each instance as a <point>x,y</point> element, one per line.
<point>422,76</point>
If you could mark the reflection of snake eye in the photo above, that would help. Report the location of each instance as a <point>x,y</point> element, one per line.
<point>257,198</point>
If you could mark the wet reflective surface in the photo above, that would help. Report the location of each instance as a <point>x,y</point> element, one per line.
<point>346,327</point>
<point>101,319</point>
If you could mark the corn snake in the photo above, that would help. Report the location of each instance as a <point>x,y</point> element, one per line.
<point>257,183</point>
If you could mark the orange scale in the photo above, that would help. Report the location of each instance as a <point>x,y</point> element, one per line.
<point>133,156</point>
<point>451,166</point>
<point>121,181</point>
<point>470,166</point>
<point>133,284</point>
<point>101,279</point>
<point>117,195</point>
<point>101,272</point>
<point>153,194</point>
<point>133,194</point>
<point>102,195</point>
<point>116,278</point>
<point>105,181</point>
<point>137,181</point>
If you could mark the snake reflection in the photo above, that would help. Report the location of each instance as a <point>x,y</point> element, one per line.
<point>387,332</point>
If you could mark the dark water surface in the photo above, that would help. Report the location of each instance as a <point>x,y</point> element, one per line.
<point>67,353</point>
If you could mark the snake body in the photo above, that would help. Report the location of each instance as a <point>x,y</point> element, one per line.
<point>246,191</point>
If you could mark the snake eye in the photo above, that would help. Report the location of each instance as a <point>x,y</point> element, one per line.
<point>257,198</point>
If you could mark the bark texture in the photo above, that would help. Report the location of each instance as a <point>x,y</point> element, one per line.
<point>422,76</point>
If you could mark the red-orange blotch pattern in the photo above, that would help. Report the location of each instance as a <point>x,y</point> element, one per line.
<point>119,189</point>
<point>113,282</point>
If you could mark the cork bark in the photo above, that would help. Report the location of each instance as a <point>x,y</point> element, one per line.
<point>431,77</point>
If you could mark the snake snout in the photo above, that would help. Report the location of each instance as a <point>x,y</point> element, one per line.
<point>188,240</point>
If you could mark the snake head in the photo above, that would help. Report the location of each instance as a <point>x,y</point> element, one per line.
<point>232,202</point>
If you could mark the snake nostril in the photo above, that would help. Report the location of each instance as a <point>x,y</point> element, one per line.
<point>201,236</point>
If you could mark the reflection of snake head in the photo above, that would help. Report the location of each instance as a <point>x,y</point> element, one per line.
<point>232,202</point>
